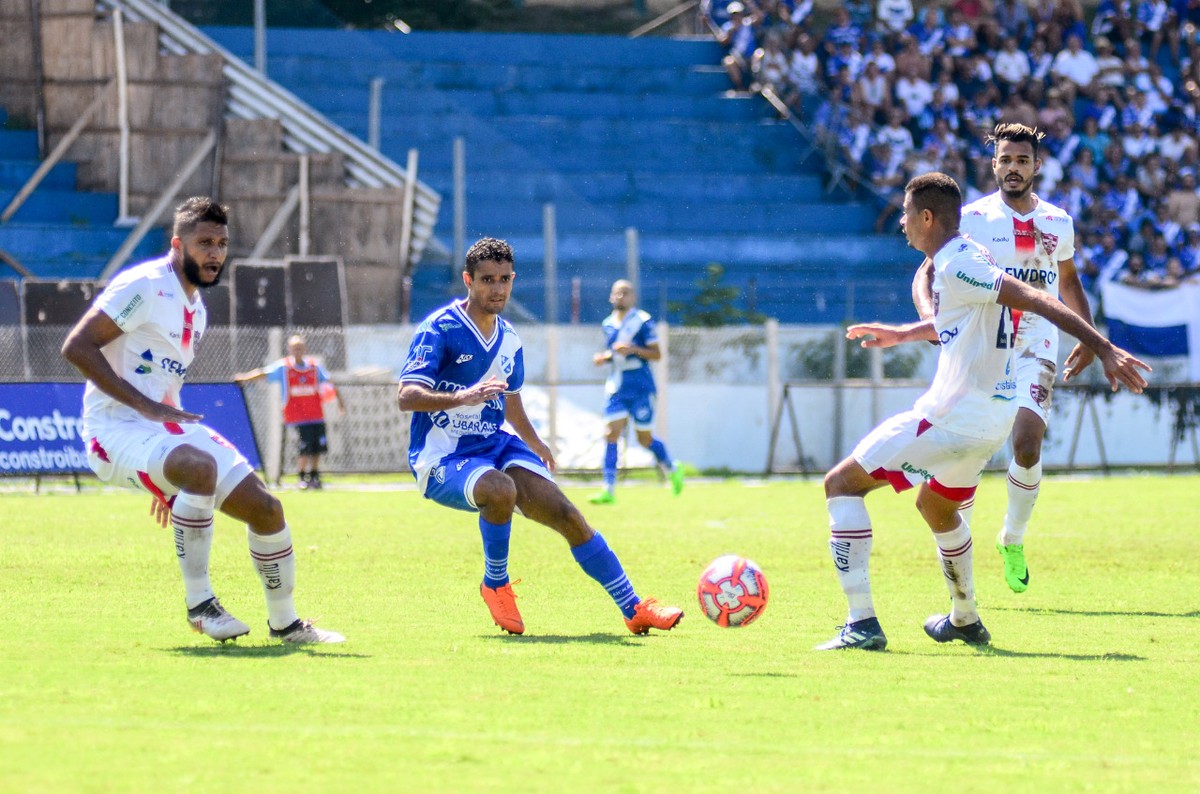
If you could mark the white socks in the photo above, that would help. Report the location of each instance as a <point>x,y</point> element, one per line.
<point>850,547</point>
<point>954,551</point>
<point>192,520</point>
<point>276,566</point>
<point>1023,488</point>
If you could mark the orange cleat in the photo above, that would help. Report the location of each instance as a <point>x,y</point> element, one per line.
<point>650,614</point>
<point>502,603</point>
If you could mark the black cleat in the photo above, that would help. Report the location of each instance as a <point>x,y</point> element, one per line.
<point>865,634</point>
<point>941,629</point>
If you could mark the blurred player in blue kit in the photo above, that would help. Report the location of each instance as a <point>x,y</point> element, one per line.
<point>631,343</point>
<point>942,444</point>
<point>461,381</point>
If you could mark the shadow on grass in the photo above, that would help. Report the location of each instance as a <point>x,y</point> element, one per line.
<point>1096,614</point>
<point>992,650</point>
<point>261,651</point>
<point>562,639</point>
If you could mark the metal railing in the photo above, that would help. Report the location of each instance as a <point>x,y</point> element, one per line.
<point>253,96</point>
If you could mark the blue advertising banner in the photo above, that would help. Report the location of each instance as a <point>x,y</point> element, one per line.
<point>41,427</point>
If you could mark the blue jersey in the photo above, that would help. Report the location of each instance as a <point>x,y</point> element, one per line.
<point>629,375</point>
<point>449,353</point>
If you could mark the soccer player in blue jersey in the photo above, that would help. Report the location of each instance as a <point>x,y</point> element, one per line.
<point>461,381</point>
<point>631,344</point>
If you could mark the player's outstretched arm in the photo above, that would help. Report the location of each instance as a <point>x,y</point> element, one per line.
<point>83,349</point>
<point>417,397</point>
<point>249,377</point>
<point>1119,366</point>
<point>1073,294</point>
<point>885,335</point>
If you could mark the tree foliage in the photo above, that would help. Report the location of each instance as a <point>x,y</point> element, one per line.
<point>713,303</point>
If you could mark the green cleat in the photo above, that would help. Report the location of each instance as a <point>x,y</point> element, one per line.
<point>602,498</point>
<point>1016,572</point>
<point>677,479</point>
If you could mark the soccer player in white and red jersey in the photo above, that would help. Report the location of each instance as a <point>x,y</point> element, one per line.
<point>1033,241</point>
<point>945,440</point>
<point>134,346</point>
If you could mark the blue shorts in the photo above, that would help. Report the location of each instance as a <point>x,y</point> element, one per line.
<point>638,406</point>
<point>452,481</point>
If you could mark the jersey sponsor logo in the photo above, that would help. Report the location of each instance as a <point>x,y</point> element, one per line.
<point>1032,275</point>
<point>471,426</point>
<point>911,469</point>
<point>440,419</point>
<point>459,466</point>
<point>963,247</point>
<point>448,325</point>
<point>173,366</point>
<point>416,359</point>
<point>144,369</point>
<point>162,294</point>
<point>974,283</point>
<point>1001,240</point>
<point>947,336</point>
<point>464,358</point>
<point>135,302</point>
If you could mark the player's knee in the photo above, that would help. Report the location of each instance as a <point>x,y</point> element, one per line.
<point>191,469</point>
<point>270,511</point>
<point>496,491</point>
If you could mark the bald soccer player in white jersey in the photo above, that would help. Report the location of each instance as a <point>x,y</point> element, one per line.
<point>135,346</point>
<point>1034,242</point>
<point>942,444</point>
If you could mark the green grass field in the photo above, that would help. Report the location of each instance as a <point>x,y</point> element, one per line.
<point>1091,683</point>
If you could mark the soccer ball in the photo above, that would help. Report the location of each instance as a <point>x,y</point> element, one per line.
<point>732,591</point>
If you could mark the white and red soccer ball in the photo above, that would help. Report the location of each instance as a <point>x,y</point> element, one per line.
<point>732,591</point>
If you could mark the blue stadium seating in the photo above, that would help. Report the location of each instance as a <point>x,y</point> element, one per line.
<point>59,232</point>
<point>616,133</point>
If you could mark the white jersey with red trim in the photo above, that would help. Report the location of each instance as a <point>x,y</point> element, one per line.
<point>162,328</point>
<point>973,391</point>
<point>1028,248</point>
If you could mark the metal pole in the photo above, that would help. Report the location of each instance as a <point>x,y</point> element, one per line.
<point>550,266</point>
<point>373,112</point>
<point>771,332</point>
<point>576,299</point>
<point>406,213</point>
<point>875,357</point>
<point>305,206</point>
<point>260,36</point>
<point>123,218</point>
<point>460,206</point>
<point>552,391</point>
<point>633,262</point>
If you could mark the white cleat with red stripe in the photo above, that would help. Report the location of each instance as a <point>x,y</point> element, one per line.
<point>212,620</point>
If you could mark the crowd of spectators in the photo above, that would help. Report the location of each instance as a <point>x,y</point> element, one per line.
<point>896,90</point>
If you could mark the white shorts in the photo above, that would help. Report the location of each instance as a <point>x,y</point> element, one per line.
<point>132,453</point>
<point>907,450</point>
<point>1035,384</point>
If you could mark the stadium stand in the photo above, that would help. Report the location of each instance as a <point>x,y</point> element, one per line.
<point>615,133</point>
<point>59,232</point>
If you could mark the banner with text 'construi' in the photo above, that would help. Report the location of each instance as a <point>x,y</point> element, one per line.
<point>1155,322</point>
<point>41,429</point>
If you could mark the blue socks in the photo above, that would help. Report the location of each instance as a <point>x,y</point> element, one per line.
<point>495,552</point>
<point>598,561</point>
<point>610,467</point>
<point>660,452</point>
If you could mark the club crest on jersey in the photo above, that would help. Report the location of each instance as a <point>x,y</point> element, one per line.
<point>416,359</point>
<point>439,474</point>
<point>1049,242</point>
<point>1039,393</point>
<point>506,365</point>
